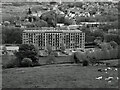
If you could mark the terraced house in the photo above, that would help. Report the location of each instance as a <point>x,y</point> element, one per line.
<point>55,38</point>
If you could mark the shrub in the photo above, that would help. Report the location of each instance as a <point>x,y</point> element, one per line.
<point>11,63</point>
<point>85,63</point>
<point>26,62</point>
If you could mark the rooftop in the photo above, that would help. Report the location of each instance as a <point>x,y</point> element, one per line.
<point>52,31</point>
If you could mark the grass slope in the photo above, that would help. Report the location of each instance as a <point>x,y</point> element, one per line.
<point>58,76</point>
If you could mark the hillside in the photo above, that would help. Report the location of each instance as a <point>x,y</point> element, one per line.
<point>58,76</point>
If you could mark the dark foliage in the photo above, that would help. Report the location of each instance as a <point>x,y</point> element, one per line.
<point>78,4</point>
<point>11,35</point>
<point>112,37</point>
<point>50,17</point>
<point>60,18</point>
<point>41,23</point>
<point>27,51</point>
<point>12,63</point>
<point>68,21</point>
<point>76,60</point>
<point>26,62</point>
<point>85,63</point>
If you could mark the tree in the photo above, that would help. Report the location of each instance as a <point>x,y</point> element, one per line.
<point>114,25</point>
<point>29,24</point>
<point>49,49</point>
<point>51,55</point>
<point>62,47</point>
<point>112,18</point>
<point>100,18</point>
<point>85,30</point>
<point>112,37</point>
<point>98,33</point>
<point>82,19</point>
<point>92,12</point>
<point>29,11</point>
<point>89,38</point>
<point>70,5</point>
<point>78,4</point>
<point>113,44</point>
<point>41,23</point>
<point>11,35</point>
<point>27,51</point>
<point>68,21</point>
<point>35,18</point>
<point>53,2</point>
<point>105,27</point>
<point>50,17</point>
<point>60,18</point>
<point>9,18</point>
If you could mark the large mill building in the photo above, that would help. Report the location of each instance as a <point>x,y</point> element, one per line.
<point>55,38</point>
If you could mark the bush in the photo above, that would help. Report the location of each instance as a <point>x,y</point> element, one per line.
<point>26,62</point>
<point>85,63</point>
<point>11,63</point>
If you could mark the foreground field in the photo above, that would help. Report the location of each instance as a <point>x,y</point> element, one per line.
<point>59,76</point>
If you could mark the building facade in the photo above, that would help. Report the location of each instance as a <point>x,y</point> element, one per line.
<point>71,39</point>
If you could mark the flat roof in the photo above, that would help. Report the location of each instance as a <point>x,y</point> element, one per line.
<point>12,47</point>
<point>50,31</point>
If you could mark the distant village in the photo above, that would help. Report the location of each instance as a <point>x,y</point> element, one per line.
<point>92,17</point>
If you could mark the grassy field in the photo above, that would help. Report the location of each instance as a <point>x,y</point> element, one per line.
<point>57,75</point>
